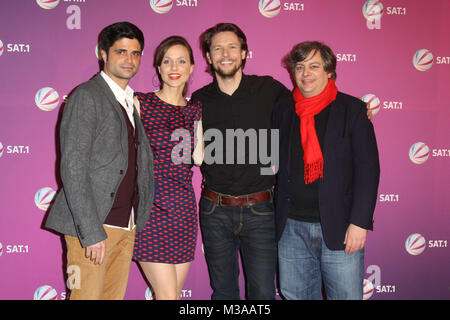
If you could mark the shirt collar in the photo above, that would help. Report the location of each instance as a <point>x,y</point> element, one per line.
<point>120,94</point>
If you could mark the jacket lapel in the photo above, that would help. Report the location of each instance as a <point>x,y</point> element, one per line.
<point>116,106</point>
<point>292,116</point>
<point>107,91</point>
<point>333,134</point>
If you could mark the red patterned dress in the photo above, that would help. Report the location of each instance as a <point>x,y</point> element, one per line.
<point>171,231</point>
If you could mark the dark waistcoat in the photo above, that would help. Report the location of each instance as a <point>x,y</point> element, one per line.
<point>127,195</point>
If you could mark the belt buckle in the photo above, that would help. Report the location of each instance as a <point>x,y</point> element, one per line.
<point>219,199</point>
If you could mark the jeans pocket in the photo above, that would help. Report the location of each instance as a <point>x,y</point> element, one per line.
<point>262,208</point>
<point>207,206</point>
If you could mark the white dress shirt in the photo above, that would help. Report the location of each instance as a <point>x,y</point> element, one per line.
<point>125,97</point>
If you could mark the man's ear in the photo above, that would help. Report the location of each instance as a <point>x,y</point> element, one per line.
<point>243,54</point>
<point>103,55</point>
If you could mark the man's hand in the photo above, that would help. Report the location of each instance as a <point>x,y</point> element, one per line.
<point>96,252</point>
<point>355,239</point>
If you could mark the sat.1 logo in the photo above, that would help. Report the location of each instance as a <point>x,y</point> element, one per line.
<point>419,153</point>
<point>46,99</point>
<point>415,244</point>
<point>373,10</point>
<point>47,4</point>
<point>423,60</point>
<point>269,8</point>
<point>161,6</point>
<point>373,102</point>
<point>44,197</point>
<point>45,293</point>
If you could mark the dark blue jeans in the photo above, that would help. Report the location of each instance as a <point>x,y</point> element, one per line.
<point>225,231</point>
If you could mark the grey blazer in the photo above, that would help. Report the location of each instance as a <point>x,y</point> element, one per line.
<point>94,156</point>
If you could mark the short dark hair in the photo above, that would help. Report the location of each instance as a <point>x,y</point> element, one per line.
<point>161,50</point>
<point>302,50</point>
<point>116,31</point>
<point>206,38</point>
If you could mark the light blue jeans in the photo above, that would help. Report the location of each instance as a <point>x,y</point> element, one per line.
<point>304,260</point>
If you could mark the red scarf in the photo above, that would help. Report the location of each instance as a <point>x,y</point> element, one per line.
<point>306,109</point>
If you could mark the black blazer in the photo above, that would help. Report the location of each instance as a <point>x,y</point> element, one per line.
<point>348,189</point>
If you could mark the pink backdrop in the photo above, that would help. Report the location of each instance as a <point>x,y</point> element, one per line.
<point>47,47</point>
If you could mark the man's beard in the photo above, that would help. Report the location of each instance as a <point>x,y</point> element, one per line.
<point>226,75</point>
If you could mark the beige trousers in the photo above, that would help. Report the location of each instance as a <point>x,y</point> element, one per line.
<point>107,281</point>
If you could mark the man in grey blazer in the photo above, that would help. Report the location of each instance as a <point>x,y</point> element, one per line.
<point>106,171</point>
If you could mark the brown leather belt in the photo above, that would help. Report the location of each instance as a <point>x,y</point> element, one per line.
<point>236,201</point>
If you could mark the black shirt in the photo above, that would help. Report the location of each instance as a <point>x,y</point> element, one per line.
<point>304,204</point>
<point>249,108</point>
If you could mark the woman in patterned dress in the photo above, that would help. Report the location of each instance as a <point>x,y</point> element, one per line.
<point>166,246</point>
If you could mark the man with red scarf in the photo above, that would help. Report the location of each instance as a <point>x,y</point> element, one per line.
<point>327,181</point>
